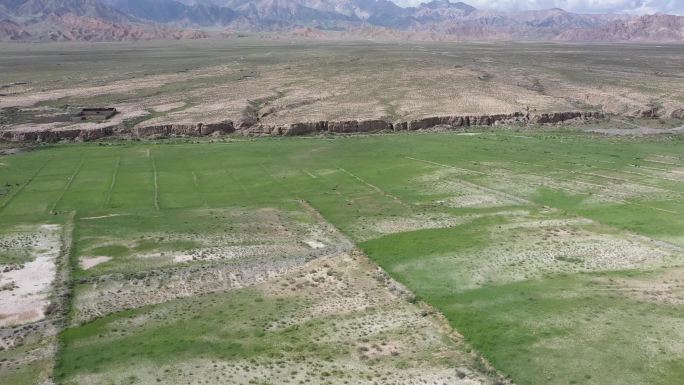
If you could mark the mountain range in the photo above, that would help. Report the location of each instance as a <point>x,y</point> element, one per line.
<point>97,20</point>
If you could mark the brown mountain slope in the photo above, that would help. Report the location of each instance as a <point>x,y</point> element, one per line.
<point>71,27</point>
<point>32,9</point>
<point>11,31</point>
<point>82,20</point>
<point>651,28</point>
<point>442,20</point>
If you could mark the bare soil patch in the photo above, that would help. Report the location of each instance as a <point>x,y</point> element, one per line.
<point>25,289</point>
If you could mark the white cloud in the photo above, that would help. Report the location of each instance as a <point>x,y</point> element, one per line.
<point>587,6</point>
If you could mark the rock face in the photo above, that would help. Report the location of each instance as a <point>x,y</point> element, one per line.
<point>559,117</point>
<point>460,121</point>
<point>10,31</point>
<point>295,129</point>
<point>50,136</point>
<point>87,134</point>
<point>677,114</point>
<point>301,128</point>
<point>354,126</point>
<point>198,129</point>
<point>648,28</point>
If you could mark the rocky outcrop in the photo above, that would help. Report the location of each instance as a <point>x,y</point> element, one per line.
<point>355,126</point>
<point>296,129</point>
<point>378,125</point>
<point>651,112</point>
<point>301,128</point>
<point>88,134</point>
<point>50,136</point>
<point>677,114</point>
<point>198,129</point>
<point>459,121</point>
<point>559,117</point>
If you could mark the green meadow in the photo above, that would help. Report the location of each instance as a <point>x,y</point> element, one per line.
<point>558,255</point>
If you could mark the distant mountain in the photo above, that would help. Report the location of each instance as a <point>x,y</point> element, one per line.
<point>11,31</point>
<point>175,12</point>
<point>4,13</point>
<point>42,9</point>
<point>440,10</point>
<point>434,20</point>
<point>86,20</point>
<point>650,28</point>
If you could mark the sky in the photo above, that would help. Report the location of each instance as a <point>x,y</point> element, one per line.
<point>585,6</point>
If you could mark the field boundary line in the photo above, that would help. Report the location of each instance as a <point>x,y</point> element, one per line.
<point>446,165</point>
<point>638,182</point>
<point>650,207</point>
<point>646,176</point>
<point>237,181</point>
<point>668,157</point>
<point>7,201</point>
<point>194,178</point>
<point>197,188</point>
<point>62,290</point>
<point>374,187</point>
<point>657,169</point>
<point>321,181</point>
<point>661,162</point>
<point>156,180</point>
<point>323,222</point>
<point>68,185</point>
<point>265,170</point>
<point>111,185</point>
<point>512,197</point>
<point>628,181</point>
<point>602,187</point>
<point>570,171</point>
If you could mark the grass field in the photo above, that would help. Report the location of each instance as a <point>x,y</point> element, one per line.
<point>558,255</point>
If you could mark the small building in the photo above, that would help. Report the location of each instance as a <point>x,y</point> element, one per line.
<point>97,114</point>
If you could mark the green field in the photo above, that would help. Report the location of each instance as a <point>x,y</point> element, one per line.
<point>558,255</point>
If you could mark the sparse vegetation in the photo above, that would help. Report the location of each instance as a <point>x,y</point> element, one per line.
<point>556,253</point>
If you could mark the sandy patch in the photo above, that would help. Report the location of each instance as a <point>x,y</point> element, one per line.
<point>28,297</point>
<point>521,251</point>
<point>314,244</point>
<point>228,252</point>
<point>103,216</point>
<point>90,262</point>
<point>666,287</point>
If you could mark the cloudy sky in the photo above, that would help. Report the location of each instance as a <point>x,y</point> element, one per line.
<point>589,6</point>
